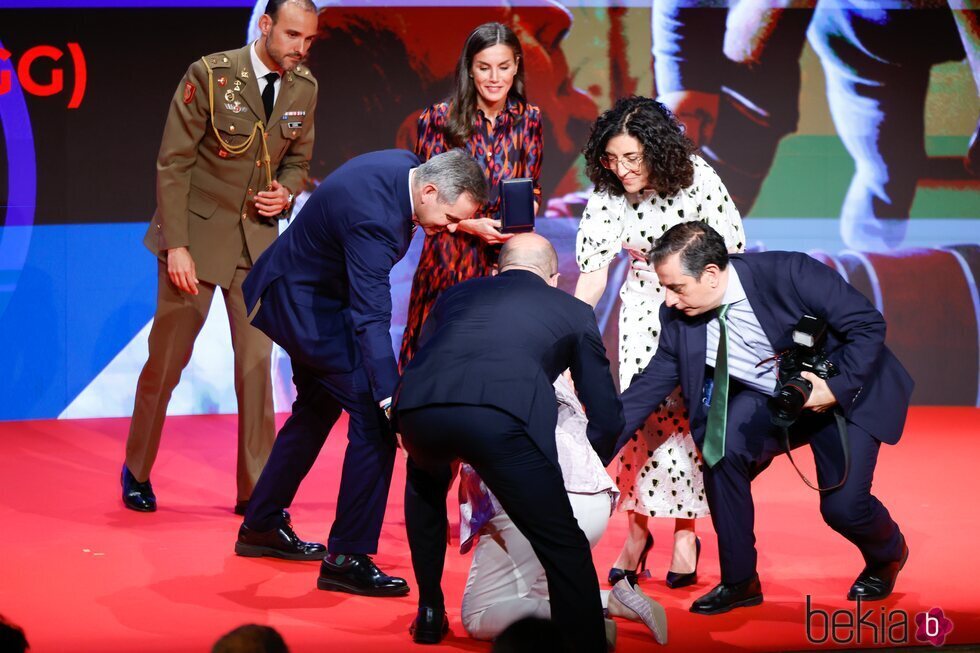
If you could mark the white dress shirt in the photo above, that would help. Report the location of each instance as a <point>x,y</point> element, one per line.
<point>261,70</point>
<point>747,342</point>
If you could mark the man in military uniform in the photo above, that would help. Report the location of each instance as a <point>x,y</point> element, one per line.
<point>235,149</point>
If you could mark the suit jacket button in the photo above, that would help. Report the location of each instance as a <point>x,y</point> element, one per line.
<point>231,128</point>
<point>258,164</point>
<point>294,132</point>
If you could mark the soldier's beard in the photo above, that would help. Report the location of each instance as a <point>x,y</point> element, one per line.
<point>285,60</point>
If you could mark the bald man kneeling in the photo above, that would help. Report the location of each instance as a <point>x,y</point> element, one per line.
<point>480,389</point>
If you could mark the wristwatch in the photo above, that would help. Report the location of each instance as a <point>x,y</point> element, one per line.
<point>289,206</point>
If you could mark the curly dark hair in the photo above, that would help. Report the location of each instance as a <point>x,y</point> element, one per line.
<point>666,150</point>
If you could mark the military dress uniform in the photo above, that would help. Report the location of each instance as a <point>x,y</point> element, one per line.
<point>219,150</point>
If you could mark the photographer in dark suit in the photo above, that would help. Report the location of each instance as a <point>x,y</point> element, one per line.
<point>326,299</point>
<point>731,312</point>
<point>480,389</point>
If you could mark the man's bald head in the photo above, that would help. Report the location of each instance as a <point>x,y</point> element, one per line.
<point>529,252</point>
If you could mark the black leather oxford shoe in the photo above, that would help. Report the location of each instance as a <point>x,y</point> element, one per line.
<point>725,597</point>
<point>135,495</point>
<point>430,626</point>
<point>281,542</point>
<point>877,581</point>
<point>356,573</point>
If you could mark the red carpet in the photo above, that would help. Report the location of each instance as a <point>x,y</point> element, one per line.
<point>81,573</point>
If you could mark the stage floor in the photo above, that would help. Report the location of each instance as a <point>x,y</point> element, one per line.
<point>80,573</point>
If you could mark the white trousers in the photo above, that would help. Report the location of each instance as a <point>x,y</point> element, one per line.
<point>506,581</point>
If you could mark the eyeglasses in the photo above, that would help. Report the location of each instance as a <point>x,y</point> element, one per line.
<point>632,162</point>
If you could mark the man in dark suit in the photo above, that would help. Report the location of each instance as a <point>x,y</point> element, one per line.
<point>326,299</point>
<point>480,389</point>
<point>757,299</point>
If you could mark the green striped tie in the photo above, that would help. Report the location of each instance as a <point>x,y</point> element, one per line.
<point>714,438</point>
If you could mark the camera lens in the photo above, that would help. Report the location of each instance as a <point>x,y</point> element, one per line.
<point>787,404</point>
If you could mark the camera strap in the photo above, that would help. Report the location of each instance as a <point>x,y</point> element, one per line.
<point>842,432</point>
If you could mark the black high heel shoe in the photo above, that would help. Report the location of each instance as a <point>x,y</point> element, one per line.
<point>675,580</point>
<point>632,575</point>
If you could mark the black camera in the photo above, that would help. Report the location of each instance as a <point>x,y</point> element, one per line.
<point>807,356</point>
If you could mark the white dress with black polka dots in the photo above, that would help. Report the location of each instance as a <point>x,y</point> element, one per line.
<point>660,469</point>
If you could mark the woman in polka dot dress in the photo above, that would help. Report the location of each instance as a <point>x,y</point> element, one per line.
<point>647,179</point>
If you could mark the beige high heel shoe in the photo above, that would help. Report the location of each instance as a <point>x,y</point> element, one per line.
<point>631,603</point>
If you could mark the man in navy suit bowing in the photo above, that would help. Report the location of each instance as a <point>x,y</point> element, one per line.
<point>326,299</point>
<point>728,313</point>
<point>480,388</point>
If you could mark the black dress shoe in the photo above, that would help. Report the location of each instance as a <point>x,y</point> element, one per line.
<point>356,573</point>
<point>281,542</point>
<point>725,597</point>
<point>877,582</point>
<point>429,626</point>
<point>135,495</point>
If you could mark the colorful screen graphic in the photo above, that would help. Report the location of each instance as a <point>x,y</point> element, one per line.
<point>814,141</point>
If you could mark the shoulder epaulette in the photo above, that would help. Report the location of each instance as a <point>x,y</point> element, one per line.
<point>303,73</point>
<point>218,60</point>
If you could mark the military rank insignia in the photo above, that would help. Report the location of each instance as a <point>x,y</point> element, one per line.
<point>189,90</point>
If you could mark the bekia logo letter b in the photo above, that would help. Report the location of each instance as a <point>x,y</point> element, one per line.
<point>933,627</point>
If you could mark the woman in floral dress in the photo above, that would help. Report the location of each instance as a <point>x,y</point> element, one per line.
<point>488,115</point>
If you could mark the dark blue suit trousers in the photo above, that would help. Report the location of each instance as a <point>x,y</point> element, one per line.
<point>752,442</point>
